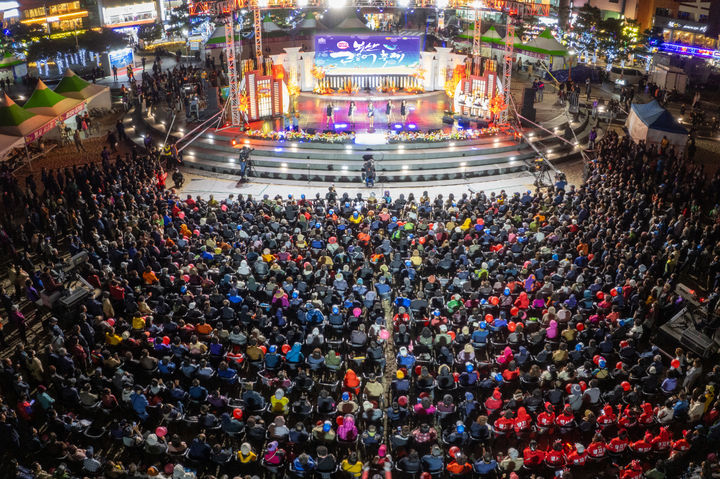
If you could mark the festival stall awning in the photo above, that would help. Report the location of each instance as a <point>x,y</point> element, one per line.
<point>545,44</point>
<point>351,23</point>
<point>72,86</point>
<point>44,101</point>
<point>492,36</point>
<point>17,122</point>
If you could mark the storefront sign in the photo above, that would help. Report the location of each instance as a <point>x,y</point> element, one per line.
<point>687,27</point>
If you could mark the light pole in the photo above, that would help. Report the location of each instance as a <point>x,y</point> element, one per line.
<point>572,54</point>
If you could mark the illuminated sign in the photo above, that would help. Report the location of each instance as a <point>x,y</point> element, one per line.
<point>348,54</point>
<point>691,51</point>
<point>56,18</point>
<point>688,27</point>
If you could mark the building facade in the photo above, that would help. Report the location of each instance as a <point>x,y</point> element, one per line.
<point>56,17</point>
<point>612,8</point>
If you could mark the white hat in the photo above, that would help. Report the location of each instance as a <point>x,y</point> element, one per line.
<point>580,448</point>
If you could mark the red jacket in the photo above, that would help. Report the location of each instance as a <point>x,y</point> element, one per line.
<point>596,449</point>
<point>546,419</point>
<point>555,458</point>
<point>662,441</point>
<point>523,421</point>
<point>681,445</point>
<point>632,472</point>
<point>617,445</point>
<point>641,446</point>
<point>564,419</point>
<point>607,417</point>
<point>504,424</point>
<point>533,458</point>
<point>576,459</point>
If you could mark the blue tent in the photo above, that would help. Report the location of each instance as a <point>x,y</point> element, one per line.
<point>657,117</point>
<point>651,122</point>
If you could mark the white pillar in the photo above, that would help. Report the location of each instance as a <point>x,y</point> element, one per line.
<point>442,67</point>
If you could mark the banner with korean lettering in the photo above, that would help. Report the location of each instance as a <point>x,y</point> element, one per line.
<point>367,54</point>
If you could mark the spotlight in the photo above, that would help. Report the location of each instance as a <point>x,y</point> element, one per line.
<point>397,126</point>
<point>403,3</point>
<point>441,4</point>
<point>412,126</point>
<point>336,3</point>
<point>302,3</point>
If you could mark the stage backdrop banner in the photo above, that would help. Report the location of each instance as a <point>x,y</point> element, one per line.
<point>367,54</point>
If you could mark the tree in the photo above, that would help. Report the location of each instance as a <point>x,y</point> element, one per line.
<point>151,32</point>
<point>17,36</point>
<point>102,41</point>
<point>178,22</point>
<point>526,25</point>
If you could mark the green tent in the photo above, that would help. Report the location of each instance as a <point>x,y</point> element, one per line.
<point>44,101</point>
<point>72,86</point>
<point>71,83</point>
<point>15,121</point>
<point>546,44</point>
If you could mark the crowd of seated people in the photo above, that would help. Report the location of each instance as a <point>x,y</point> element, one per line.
<point>331,336</point>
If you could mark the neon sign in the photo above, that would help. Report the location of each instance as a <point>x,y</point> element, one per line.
<point>691,51</point>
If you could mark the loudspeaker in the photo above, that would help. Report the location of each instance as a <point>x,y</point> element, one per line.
<point>448,119</point>
<point>528,104</point>
<point>528,97</point>
<point>310,131</point>
<point>464,122</point>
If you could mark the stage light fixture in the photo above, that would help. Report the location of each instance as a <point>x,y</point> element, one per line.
<point>302,3</point>
<point>397,126</point>
<point>463,164</point>
<point>412,126</point>
<point>263,3</point>
<point>403,3</point>
<point>441,4</point>
<point>336,3</point>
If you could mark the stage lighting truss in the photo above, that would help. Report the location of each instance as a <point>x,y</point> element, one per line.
<point>515,7</point>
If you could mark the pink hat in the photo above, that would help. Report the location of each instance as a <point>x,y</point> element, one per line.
<point>382,450</point>
<point>356,312</point>
<point>161,431</point>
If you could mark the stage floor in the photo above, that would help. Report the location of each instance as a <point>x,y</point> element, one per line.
<point>425,113</point>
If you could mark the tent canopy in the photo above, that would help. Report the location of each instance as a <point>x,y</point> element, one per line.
<point>351,23</point>
<point>651,123</point>
<point>72,86</point>
<point>492,36</point>
<point>71,83</point>
<point>658,118</point>
<point>44,101</point>
<point>546,44</point>
<point>15,121</point>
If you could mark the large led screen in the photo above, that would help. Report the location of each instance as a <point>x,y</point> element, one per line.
<point>367,54</point>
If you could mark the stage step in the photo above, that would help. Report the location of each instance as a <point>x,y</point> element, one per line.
<point>355,175</point>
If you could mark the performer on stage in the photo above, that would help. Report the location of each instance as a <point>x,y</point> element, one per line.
<point>330,114</point>
<point>371,115</point>
<point>351,113</point>
<point>403,111</point>
<point>388,112</point>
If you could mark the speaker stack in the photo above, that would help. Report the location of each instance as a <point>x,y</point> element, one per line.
<point>528,104</point>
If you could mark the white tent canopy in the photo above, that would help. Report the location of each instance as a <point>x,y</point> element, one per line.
<point>651,122</point>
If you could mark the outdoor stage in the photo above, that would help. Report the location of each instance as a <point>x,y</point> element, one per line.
<point>425,112</point>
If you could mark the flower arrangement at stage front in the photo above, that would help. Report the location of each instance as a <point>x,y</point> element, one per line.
<point>301,136</point>
<point>392,137</point>
<point>457,135</point>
